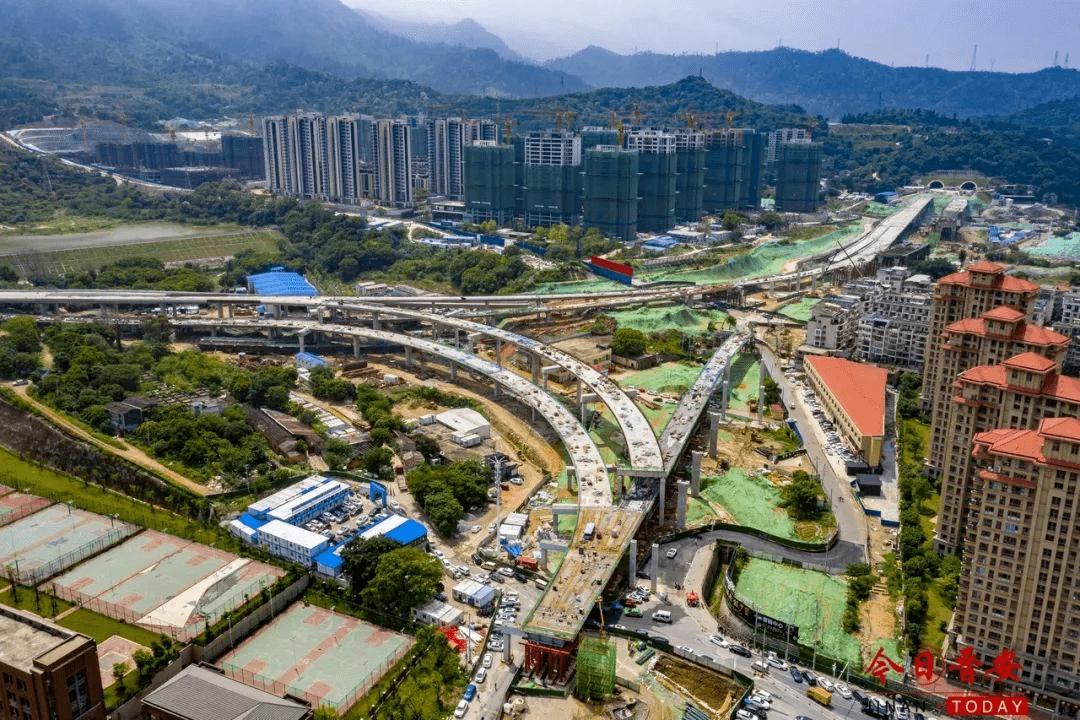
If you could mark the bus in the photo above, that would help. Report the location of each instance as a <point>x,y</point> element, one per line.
<point>590,530</point>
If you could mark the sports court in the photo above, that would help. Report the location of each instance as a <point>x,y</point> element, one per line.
<point>54,539</point>
<point>165,583</point>
<point>812,600</point>
<point>324,657</point>
<point>15,505</point>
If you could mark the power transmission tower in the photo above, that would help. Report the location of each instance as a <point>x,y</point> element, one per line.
<point>974,51</point>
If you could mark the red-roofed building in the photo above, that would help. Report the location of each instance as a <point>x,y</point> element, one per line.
<point>1020,587</point>
<point>997,335</point>
<point>968,294</point>
<point>852,395</point>
<point>1017,393</point>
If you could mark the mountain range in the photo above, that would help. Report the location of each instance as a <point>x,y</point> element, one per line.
<point>176,52</point>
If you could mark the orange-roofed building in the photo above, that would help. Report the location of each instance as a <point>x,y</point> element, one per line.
<point>852,395</point>
<point>1017,393</point>
<point>1020,589</point>
<point>997,335</point>
<point>968,294</point>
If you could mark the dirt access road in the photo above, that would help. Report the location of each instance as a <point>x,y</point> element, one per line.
<point>128,452</point>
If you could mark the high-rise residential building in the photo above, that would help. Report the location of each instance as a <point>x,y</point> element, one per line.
<point>345,138</point>
<point>798,177</point>
<point>610,193</point>
<point>297,155</point>
<point>690,179</point>
<point>490,188</point>
<point>551,178</point>
<point>49,672</point>
<point>1017,393</point>
<point>1069,324</point>
<point>968,294</point>
<point>1020,585</point>
<point>782,136</point>
<point>893,327</point>
<point>725,170</point>
<point>593,135</point>
<point>834,325</point>
<point>657,166</point>
<point>991,338</point>
<point>391,153</point>
<point>244,153</point>
<point>446,140</point>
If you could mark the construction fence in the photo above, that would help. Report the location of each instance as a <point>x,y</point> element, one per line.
<point>34,575</point>
<point>116,612</point>
<point>281,689</point>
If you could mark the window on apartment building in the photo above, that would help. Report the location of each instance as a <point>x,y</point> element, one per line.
<point>78,693</point>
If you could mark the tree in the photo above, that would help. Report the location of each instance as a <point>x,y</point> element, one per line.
<point>119,670</point>
<point>628,342</point>
<point>772,391</point>
<point>444,511</point>
<point>360,558</point>
<point>403,579</point>
<point>801,496</point>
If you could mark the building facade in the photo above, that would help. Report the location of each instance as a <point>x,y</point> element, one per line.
<point>798,177</point>
<point>391,159</point>
<point>657,175</point>
<point>1017,393</point>
<point>895,321</point>
<point>834,325</point>
<point>990,339</point>
<point>1020,589</point>
<point>852,396</point>
<point>48,672</point>
<point>551,181</point>
<point>610,193</point>
<point>1069,324</point>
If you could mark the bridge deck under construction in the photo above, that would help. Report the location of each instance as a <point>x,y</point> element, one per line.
<point>584,573</point>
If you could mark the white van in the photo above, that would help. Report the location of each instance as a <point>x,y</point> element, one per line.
<point>663,616</point>
<point>759,667</point>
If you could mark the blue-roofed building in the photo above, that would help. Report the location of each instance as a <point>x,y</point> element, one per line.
<point>301,501</point>
<point>281,282</point>
<point>661,243</point>
<point>395,527</point>
<point>308,361</point>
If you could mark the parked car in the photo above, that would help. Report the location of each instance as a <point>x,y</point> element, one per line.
<point>777,663</point>
<point>718,639</point>
<point>470,692</point>
<point>795,674</point>
<point>809,677</point>
<point>633,612</point>
<point>740,650</point>
<point>843,691</point>
<point>859,695</point>
<point>481,675</point>
<point>487,660</point>
<point>826,683</point>
<point>462,708</point>
<point>672,553</point>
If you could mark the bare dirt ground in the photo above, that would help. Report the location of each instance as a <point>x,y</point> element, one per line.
<point>128,452</point>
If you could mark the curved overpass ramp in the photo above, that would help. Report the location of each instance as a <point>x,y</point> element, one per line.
<point>641,444</point>
<point>594,486</point>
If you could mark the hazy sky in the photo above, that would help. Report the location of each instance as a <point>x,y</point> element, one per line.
<point>1012,35</point>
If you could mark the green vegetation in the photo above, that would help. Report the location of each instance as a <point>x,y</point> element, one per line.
<point>860,581</point>
<point>20,348</point>
<point>403,578</point>
<point>31,478</point>
<point>325,386</point>
<point>102,628</point>
<point>802,496</point>
<point>447,492</point>
<point>628,342</point>
<point>33,600</point>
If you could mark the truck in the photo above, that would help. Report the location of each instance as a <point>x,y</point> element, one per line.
<point>590,530</point>
<point>528,563</point>
<point>819,695</point>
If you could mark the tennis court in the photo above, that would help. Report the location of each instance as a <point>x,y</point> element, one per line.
<point>165,583</point>
<point>326,658</point>
<point>15,505</point>
<point>55,538</point>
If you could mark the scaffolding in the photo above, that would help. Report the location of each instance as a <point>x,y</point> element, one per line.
<point>798,177</point>
<point>489,183</point>
<point>595,669</point>
<point>611,191</point>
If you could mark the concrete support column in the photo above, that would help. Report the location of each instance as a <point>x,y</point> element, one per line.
<point>714,431</point>
<point>616,481</point>
<point>680,510</point>
<point>536,369</point>
<point>654,566</point>
<point>434,331</point>
<point>571,477</point>
<point>376,321</point>
<point>543,557</point>
<point>532,411</point>
<point>725,389</point>
<point>695,472</point>
<point>300,336</point>
<point>761,396</point>
<point>408,356</point>
<point>660,501</point>
<point>453,371</point>
<point>356,347</point>
<point>632,561</point>
<point>220,311</point>
<point>495,391</point>
<point>498,352</point>
<point>213,331</point>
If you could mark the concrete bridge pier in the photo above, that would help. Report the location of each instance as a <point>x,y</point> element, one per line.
<point>376,321</point>
<point>616,488</point>
<point>714,431</point>
<point>536,369</point>
<point>571,477</point>
<point>408,356</point>
<point>453,371</point>
<point>498,352</point>
<point>660,501</point>
<point>356,347</point>
<point>220,311</point>
<point>680,510</point>
<point>632,562</point>
<point>761,396</point>
<point>300,335</point>
<point>725,389</point>
<point>654,566</point>
<point>695,473</point>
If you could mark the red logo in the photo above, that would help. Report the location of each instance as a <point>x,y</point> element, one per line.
<point>880,666</point>
<point>970,705</point>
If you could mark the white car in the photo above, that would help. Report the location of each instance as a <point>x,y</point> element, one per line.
<point>718,640</point>
<point>843,690</point>
<point>740,715</point>
<point>761,700</point>
<point>777,663</point>
<point>475,529</point>
<point>765,694</point>
<point>826,683</point>
<point>462,708</point>
<point>672,553</point>
<point>481,675</point>
<point>487,660</point>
